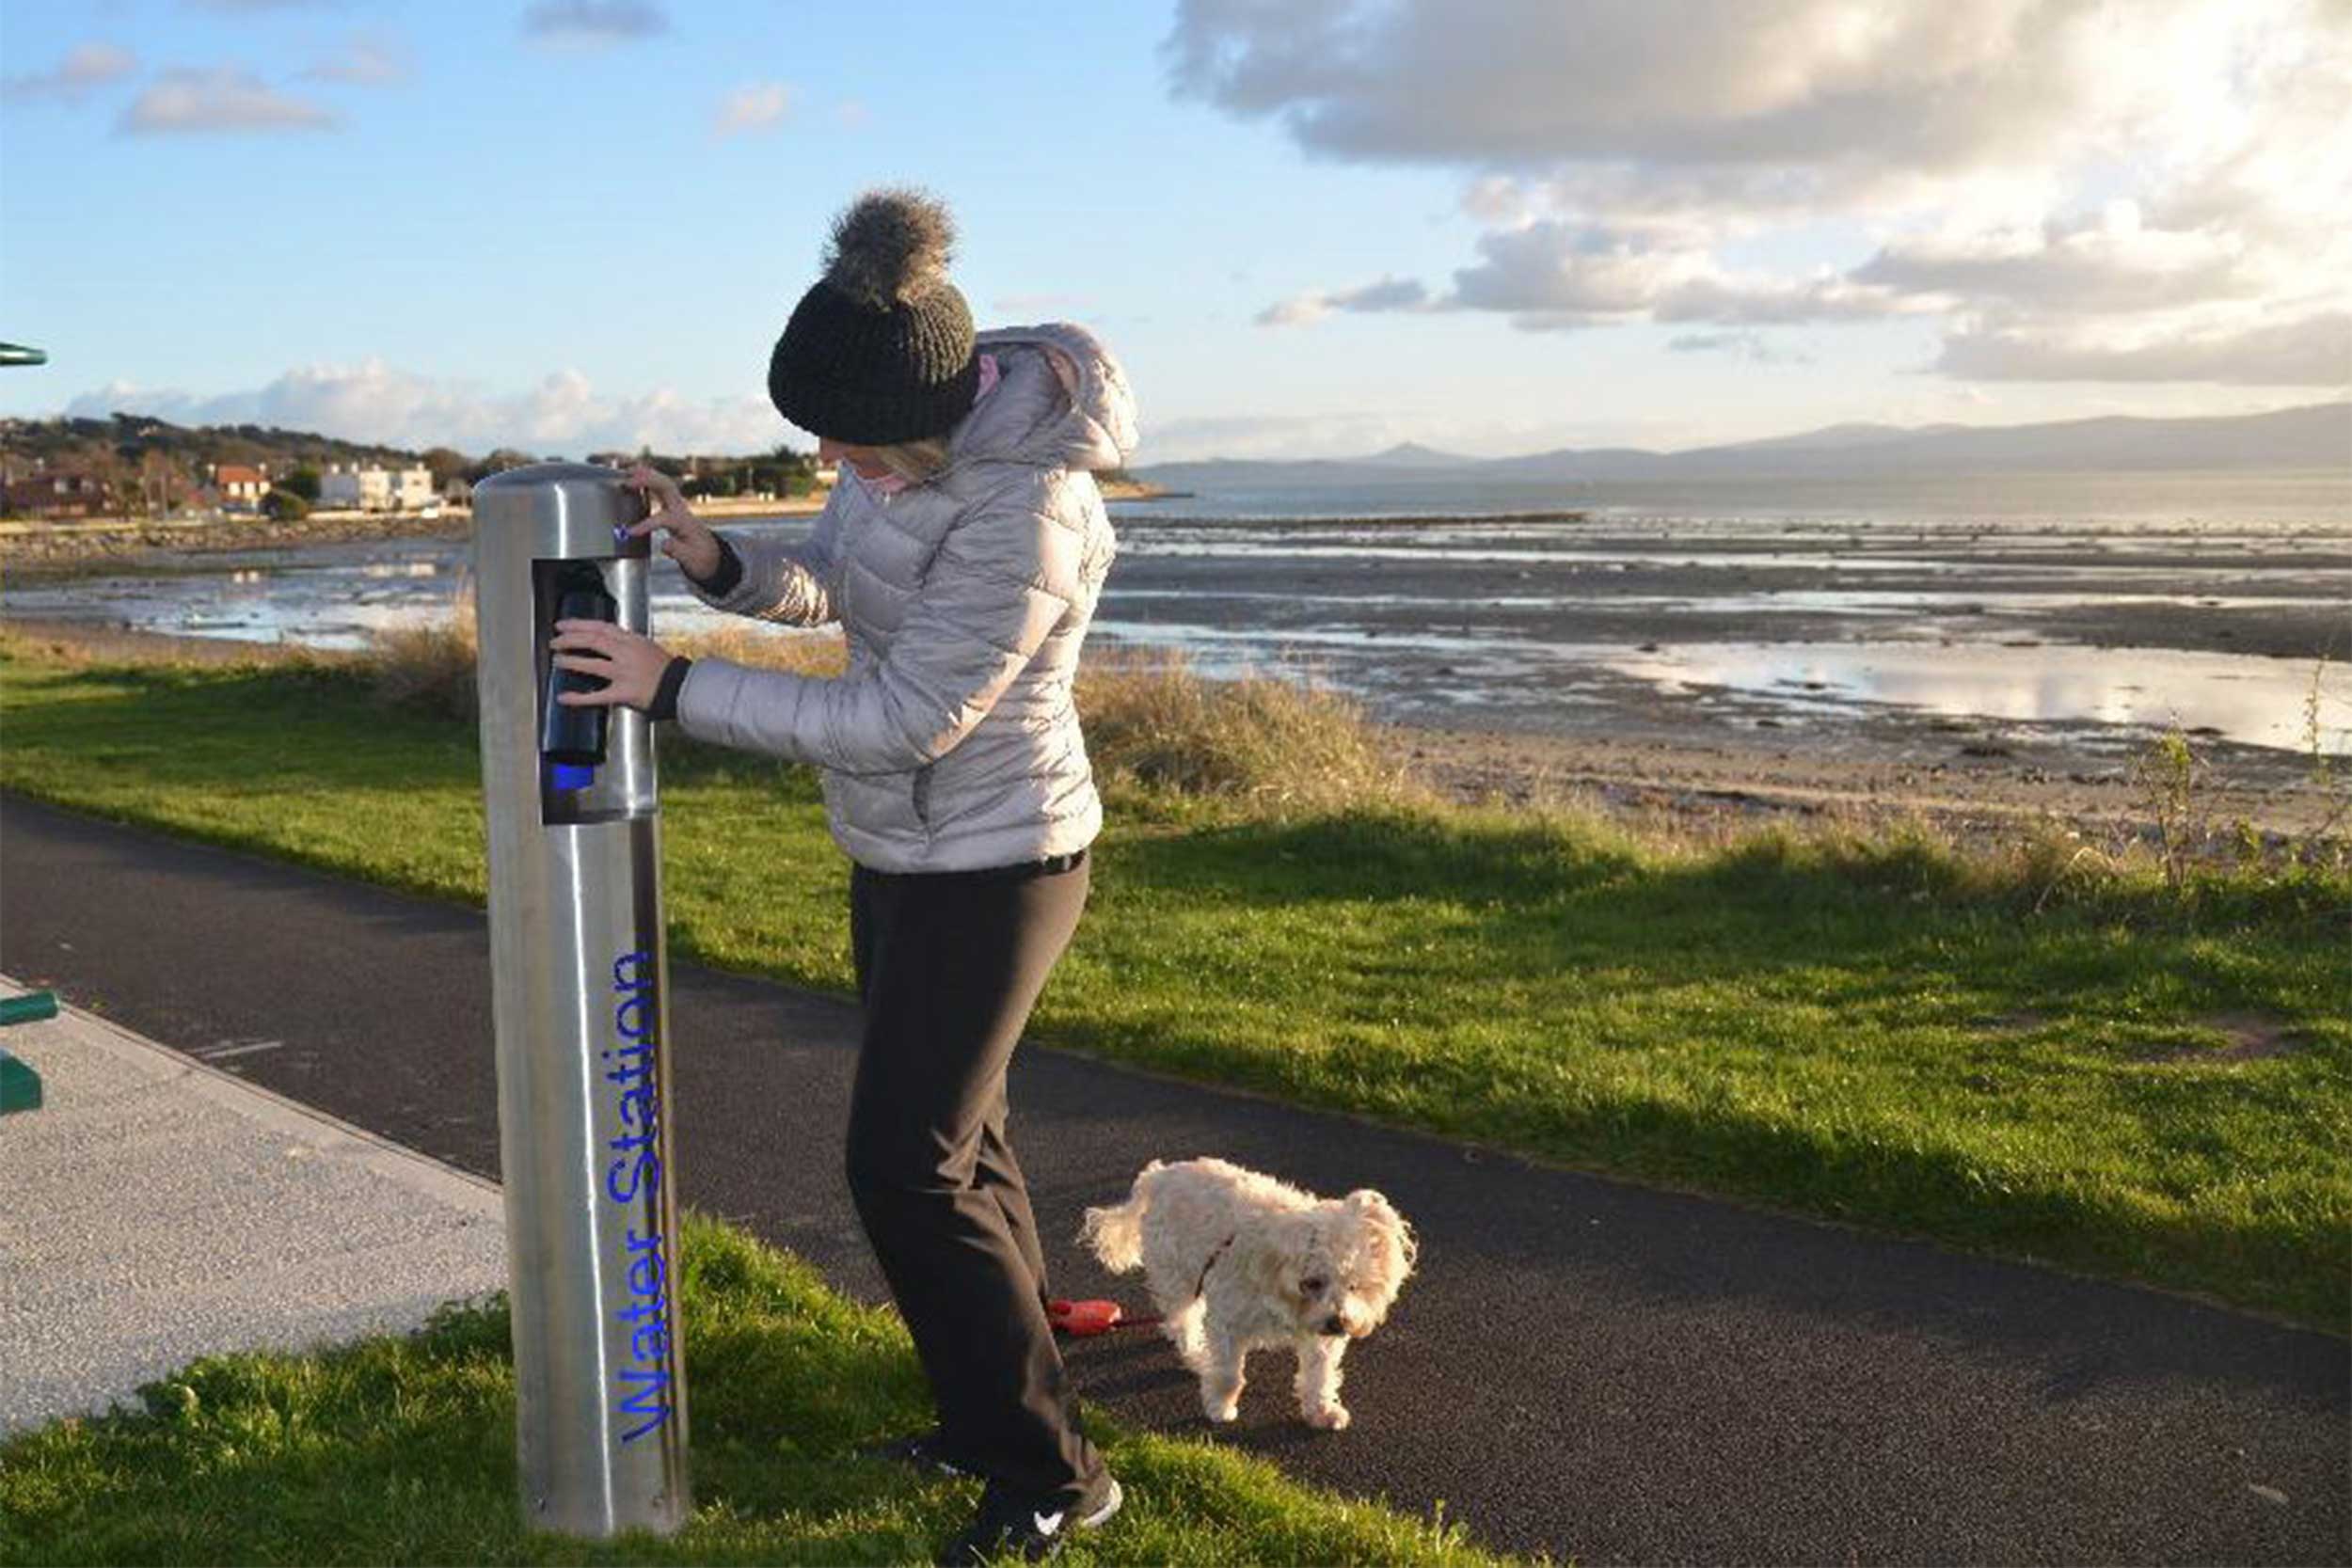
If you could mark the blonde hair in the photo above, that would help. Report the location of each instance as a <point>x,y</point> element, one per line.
<point>917,461</point>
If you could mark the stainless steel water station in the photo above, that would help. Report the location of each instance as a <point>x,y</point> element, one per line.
<point>579,982</point>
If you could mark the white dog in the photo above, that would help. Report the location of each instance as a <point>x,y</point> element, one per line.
<point>1238,1262</point>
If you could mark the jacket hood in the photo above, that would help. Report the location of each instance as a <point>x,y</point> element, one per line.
<point>1063,402</point>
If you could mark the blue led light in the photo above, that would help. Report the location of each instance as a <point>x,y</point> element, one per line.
<point>571,775</point>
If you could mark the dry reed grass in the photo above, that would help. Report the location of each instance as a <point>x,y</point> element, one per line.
<point>429,668</point>
<point>1150,718</point>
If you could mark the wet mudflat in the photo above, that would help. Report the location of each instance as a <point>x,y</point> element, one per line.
<point>2059,647</point>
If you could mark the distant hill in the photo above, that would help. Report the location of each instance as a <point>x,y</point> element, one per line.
<point>2318,436</point>
<point>1838,437</point>
<point>90,444</point>
<point>1411,454</point>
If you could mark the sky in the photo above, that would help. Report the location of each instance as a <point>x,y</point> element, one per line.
<point>1306,228</point>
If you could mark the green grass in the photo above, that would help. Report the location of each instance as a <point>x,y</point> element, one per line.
<point>402,1450</point>
<point>1880,1030</point>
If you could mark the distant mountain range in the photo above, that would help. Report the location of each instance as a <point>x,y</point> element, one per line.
<point>2317,436</point>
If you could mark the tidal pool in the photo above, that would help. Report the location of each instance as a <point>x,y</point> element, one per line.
<point>2254,702</point>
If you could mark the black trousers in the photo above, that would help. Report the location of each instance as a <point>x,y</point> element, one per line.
<point>949,966</point>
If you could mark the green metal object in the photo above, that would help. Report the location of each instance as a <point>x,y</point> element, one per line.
<point>20,1085</point>
<point>17,354</point>
<point>28,1008</point>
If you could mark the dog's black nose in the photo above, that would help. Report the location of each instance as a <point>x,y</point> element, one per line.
<point>1334,1324</point>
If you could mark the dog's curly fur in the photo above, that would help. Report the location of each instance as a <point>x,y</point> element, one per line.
<point>1238,1262</point>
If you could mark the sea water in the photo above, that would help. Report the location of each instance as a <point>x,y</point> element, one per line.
<point>2116,604</point>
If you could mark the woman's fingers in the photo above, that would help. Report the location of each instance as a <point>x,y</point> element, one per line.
<point>601,667</point>
<point>676,520</point>
<point>585,634</point>
<point>652,482</point>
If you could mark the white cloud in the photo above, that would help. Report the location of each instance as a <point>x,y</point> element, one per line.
<point>375,402</point>
<point>365,62</point>
<point>1574,273</point>
<point>85,69</point>
<point>595,23</point>
<point>1390,293</point>
<point>2311,351</point>
<point>1751,346</point>
<point>2170,171</point>
<point>2111,265</point>
<point>753,108</point>
<point>1805,84</point>
<point>1551,276</point>
<point>218,99</point>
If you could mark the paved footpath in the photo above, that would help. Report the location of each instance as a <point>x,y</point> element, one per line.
<point>1584,1367</point>
<point>158,1209</point>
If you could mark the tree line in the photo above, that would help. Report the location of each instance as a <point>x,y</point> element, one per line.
<point>152,467</point>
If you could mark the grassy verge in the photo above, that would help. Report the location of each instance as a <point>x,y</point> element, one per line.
<point>2028,1053</point>
<point>401,1449</point>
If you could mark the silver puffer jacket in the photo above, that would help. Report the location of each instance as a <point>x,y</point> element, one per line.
<point>950,743</point>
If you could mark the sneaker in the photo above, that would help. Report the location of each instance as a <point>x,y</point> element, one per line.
<point>925,1450</point>
<point>1016,1529</point>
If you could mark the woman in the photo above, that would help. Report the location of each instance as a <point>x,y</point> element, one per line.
<point>962,551</point>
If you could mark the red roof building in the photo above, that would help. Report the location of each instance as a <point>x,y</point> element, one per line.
<point>239,485</point>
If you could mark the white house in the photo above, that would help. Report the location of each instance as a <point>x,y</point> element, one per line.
<point>375,489</point>
<point>241,486</point>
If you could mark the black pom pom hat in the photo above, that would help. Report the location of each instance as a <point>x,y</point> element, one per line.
<point>879,351</point>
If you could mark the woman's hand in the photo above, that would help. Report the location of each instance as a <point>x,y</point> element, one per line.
<point>691,543</point>
<point>631,665</point>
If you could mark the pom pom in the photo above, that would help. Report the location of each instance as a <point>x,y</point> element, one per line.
<point>890,245</point>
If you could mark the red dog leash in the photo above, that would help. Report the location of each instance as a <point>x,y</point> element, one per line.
<point>1084,1320</point>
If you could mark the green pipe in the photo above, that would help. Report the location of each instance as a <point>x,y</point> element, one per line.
<point>30,1008</point>
<point>20,1085</point>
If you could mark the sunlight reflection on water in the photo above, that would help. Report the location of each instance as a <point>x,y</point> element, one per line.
<point>2256,701</point>
<point>1409,615</point>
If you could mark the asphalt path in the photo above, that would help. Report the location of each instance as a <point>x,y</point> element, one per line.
<point>1582,1367</point>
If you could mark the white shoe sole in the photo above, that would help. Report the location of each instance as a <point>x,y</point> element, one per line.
<point>1101,1516</point>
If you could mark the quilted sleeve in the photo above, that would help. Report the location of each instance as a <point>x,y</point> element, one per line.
<point>999,584</point>
<point>780,581</point>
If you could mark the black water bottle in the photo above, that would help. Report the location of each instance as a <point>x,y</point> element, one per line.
<point>571,738</point>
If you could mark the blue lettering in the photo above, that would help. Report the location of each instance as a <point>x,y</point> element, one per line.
<point>646,1168</point>
<point>649,1399</point>
<point>644,1275</point>
<point>641,1391</point>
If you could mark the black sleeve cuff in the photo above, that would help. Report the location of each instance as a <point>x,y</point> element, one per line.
<point>728,575</point>
<point>665,703</point>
